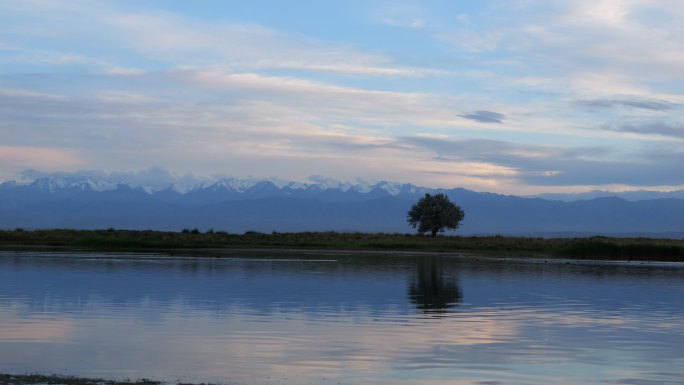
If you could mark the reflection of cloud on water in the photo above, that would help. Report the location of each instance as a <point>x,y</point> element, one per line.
<point>512,346</point>
<point>354,346</point>
<point>588,318</point>
<point>465,348</point>
<point>284,348</point>
<point>425,351</point>
<point>17,329</point>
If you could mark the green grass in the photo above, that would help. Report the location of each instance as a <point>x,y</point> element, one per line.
<point>579,248</point>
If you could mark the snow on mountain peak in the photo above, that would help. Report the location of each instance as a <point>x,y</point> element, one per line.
<point>178,188</point>
<point>50,184</point>
<point>362,186</point>
<point>96,185</point>
<point>235,184</point>
<point>325,183</point>
<point>392,188</point>
<point>53,184</point>
<point>296,186</point>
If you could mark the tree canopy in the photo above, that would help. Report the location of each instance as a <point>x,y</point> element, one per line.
<point>435,213</point>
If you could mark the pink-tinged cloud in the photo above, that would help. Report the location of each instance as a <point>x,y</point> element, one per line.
<point>22,157</point>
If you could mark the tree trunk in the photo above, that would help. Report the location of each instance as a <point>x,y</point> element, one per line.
<point>434,233</point>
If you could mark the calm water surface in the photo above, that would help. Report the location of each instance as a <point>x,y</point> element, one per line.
<point>331,319</point>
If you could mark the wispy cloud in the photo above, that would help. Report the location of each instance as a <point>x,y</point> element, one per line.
<point>178,41</point>
<point>401,15</point>
<point>241,46</point>
<point>655,105</point>
<point>671,129</point>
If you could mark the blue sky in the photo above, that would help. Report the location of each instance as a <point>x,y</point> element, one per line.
<point>519,96</point>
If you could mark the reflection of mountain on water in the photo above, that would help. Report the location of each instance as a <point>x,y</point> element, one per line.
<point>432,290</point>
<point>259,286</point>
<point>316,285</point>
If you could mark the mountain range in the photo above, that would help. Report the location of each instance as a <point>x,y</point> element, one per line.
<point>237,205</point>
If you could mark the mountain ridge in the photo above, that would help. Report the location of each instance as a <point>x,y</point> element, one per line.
<point>235,205</point>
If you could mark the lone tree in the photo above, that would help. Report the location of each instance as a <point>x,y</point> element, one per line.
<point>435,213</point>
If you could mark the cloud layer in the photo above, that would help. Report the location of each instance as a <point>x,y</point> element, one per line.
<point>506,96</point>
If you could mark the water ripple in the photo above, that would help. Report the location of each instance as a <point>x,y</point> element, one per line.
<point>348,320</point>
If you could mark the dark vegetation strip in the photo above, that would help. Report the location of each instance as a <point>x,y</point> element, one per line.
<point>646,249</point>
<point>26,379</point>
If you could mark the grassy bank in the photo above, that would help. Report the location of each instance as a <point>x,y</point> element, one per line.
<point>579,248</point>
<point>26,379</point>
<point>40,379</point>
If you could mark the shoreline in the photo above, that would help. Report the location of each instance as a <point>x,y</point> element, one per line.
<point>591,248</point>
<point>55,379</point>
<point>316,254</point>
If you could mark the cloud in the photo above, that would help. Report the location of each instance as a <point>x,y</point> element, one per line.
<point>224,121</point>
<point>589,49</point>
<point>497,151</point>
<point>672,129</point>
<point>485,116</point>
<point>243,46</point>
<point>402,15</point>
<point>312,101</point>
<point>174,40</point>
<point>246,97</point>
<point>158,177</point>
<point>124,71</point>
<point>268,125</point>
<point>15,158</point>
<point>539,165</point>
<point>655,105</point>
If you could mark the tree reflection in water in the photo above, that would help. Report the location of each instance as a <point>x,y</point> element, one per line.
<point>432,289</point>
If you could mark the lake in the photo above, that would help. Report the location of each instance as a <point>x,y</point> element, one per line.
<point>341,319</point>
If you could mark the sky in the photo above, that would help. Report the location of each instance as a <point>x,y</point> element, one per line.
<point>514,96</point>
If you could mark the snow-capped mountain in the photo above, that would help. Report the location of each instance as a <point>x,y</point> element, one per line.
<point>226,184</point>
<point>320,204</point>
<point>229,187</point>
<point>55,184</point>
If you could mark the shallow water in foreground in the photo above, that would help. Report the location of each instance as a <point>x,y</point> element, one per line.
<point>329,319</point>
